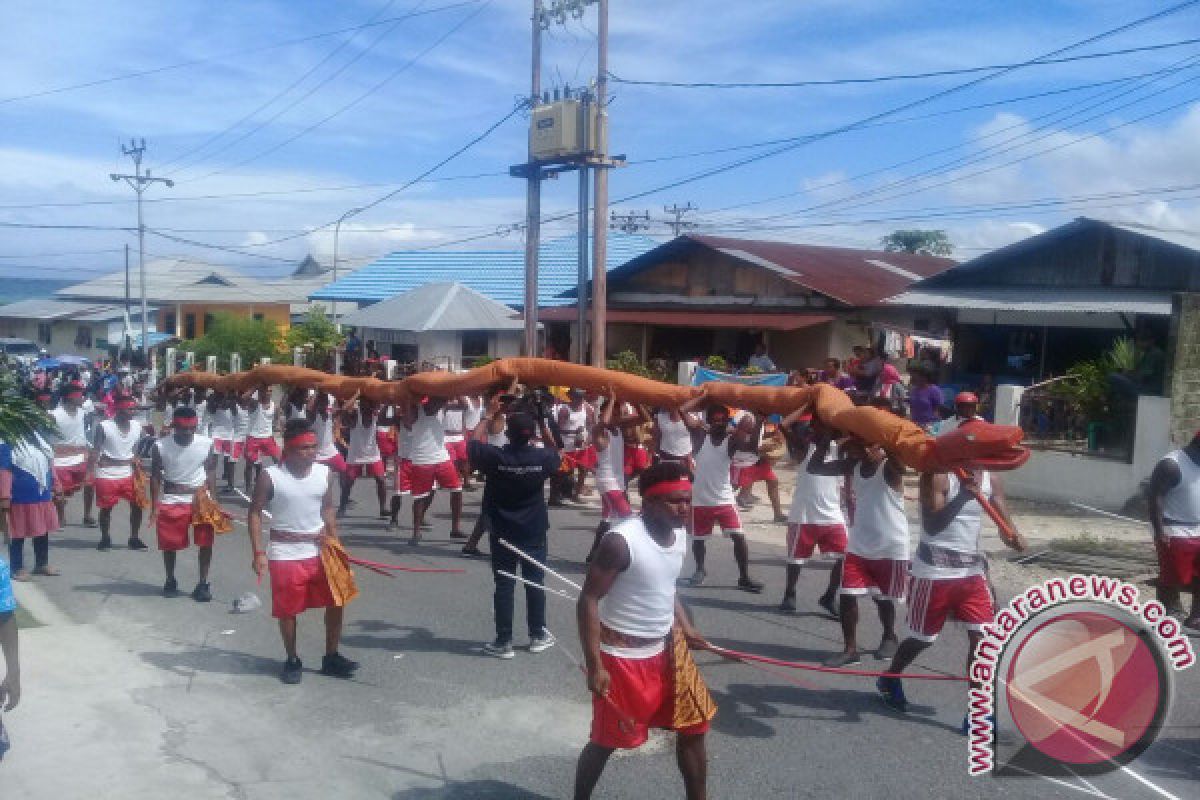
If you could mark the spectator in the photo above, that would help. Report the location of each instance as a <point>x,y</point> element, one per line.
<point>924,398</point>
<point>889,384</point>
<point>760,359</point>
<point>834,374</point>
<point>866,374</point>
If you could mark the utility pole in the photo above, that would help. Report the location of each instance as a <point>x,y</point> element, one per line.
<point>631,222</point>
<point>127,343</point>
<point>139,181</point>
<point>679,224</point>
<point>582,278</point>
<point>600,229</point>
<point>533,196</point>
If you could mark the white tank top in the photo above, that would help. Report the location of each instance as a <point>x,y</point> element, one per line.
<point>71,432</point>
<point>295,507</point>
<point>296,412</point>
<point>817,499</point>
<point>674,437</point>
<point>960,536</point>
<point>241,422</point>
<point>222,424</point>
<point>610,465</point>
<point>711,486</point>
<point>260,421</point>
<point>641,600</point>
<point>184,465</point>
<point>1182,503</point>
<point>473,415</point>
<point>880,528</point>
<point>428,440</point>
<point>575,433</point>
<point>119,446</point>
<point>453,420</point>
<point>498,439</point>
<point>323,427</point>
<point>403,442</point>
<point>363,446</point>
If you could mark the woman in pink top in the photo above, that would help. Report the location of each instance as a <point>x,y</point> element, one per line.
<point>889,376</point>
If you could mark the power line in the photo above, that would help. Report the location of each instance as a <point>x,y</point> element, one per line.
<point>211,246</point>
<point>901,77</point>
<point>223,57</point>
<point>66,253</point>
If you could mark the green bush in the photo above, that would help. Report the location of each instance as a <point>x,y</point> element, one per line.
<point>253,339</point>
<point>628,361</point>
<point>481,361</point>
<point>717,362</point>
<point>317,334</point>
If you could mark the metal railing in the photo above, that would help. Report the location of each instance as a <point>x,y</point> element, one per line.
<point>1054,422</point>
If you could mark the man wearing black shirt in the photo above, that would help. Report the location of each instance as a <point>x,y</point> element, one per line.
<point>514,501</point>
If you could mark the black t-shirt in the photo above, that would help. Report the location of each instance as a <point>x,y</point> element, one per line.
<point>512,492</point>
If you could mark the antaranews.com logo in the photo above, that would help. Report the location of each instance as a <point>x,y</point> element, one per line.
<point>1076,674</point>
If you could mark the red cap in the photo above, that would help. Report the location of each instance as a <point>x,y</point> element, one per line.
<point>966,397</point>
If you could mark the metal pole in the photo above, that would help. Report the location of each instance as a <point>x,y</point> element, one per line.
<point>533,197</point>
<point>581,300</point>
<point>137,162</point>
<point>337,230</point>
<point>600,214</point>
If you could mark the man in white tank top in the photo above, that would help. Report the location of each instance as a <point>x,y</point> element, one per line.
<point>816,518</point>
<point>876,561</point>
<point>608,442</point>
<point>636,636</point>
<point>1175,518</point>
<point>454,424</point>
<point>116,471</point>
<point>363,458</point>
<point>182,466</point>
<point>260,431</point>
<point>297,496</point>
<point>949,570</point>
<point>712,493</point>
<point>71,451</point>
<point>431,466</point>
<point>222,412</point>
<point>672,435</point>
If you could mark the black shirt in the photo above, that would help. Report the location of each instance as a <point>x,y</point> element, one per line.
<point>512,491</point>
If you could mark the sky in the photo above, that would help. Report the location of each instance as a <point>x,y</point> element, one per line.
<point>273,118</point>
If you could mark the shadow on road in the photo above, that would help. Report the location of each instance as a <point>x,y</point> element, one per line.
<point>471,790</point>
<point>211,659</point>
<point>127,588</point>
<point>406,638</point>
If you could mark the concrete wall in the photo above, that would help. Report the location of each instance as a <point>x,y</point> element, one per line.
<point>63,334</point>
<point>1183,376</point>
<point>279,313</point>
<point>1100,482</point>
<point>444,348</point>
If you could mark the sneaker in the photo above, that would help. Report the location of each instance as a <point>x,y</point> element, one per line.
<point>202,593</point>
<point>170,588</point>
<point>293,671</point>
<point>136,544</point>
<point>698,577</point>
<point>788,604</point>
<point>891,691</point>
<point>499,649</point>
<point>843,659</point>
<point>336,665</point>
<point>540,644</point>
<point>887,650</point>
<point>105,543</point>
<point>750,585</point>
<point>826,602</point>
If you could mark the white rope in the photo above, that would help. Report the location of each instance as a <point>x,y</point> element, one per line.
<point>537,563</point>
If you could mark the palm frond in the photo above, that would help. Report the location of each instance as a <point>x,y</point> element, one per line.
<point>20,416</point>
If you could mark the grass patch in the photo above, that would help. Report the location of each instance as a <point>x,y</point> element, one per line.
<point>1089,544</point>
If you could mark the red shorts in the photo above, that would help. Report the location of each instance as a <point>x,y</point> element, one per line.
<point>886,577</point>
<point>387,444</point>
<point>336,463</point>
<point>745,477</point>
<point>110,491</point>
<point>614,504</point>
<point>373,470</point>
<point>1179,561</point>
<point>581,459</point>
<point>404,477</point>
<point>931,601</point>
<point>641,696</point>
<point>804,538</point>
<point>227,447</point>
<point>637,458</point>
<point>705,517</point>
<point>69,479</point>
<point>297,586</point>
<point>457,450</point>
<point>257,447</point>
<point>426,476</point>
<point>174,519</point>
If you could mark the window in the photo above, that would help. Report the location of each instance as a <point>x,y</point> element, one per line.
<point>189,326</point>
<point>169,322</point>
<point>45,332</point>
<point>258,317</point>
<point>208,323</point>
<point>474,345</point>
<point>83,336</point>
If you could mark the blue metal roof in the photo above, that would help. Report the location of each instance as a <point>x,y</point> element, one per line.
<point>499,274</point>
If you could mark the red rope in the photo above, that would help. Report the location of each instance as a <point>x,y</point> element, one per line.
<point>862,673</point>
<point>376,566</point>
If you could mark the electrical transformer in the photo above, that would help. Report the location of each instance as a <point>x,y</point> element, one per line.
<point>563,129</point>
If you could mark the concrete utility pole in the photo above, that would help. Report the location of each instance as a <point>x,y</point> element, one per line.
<point>533,196</point>
<point>582,277</point>
<point>679,224</point>
<point>600,228</point>
<point>139,181</point>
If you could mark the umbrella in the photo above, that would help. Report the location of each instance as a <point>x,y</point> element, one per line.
<point>74,361</point>
<point>47,363</point>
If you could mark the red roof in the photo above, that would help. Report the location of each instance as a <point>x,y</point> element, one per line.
<point>854,277</point>
<point>694,319</point>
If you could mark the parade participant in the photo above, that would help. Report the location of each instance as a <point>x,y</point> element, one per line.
<point>1175,519</point>
<point>298,494</point>
<point>712,493</point>
<point>876,561</point>
<point>490,429</point>
<point>71,452</point>
<point>322,416</point>
<point>183,478</point>
<point>116,471</point>
<point>751,465</point>
<point>431,465</point>
<point>453,416</point>
<point>966,409</point>
<point>949,571</point>
<point>610,478</point>
<point>575,418</point>
<point>362,455</point>
<point>28,498</point>
<point>635,457</point>
<point>514,478</point>
<point>472,416</point>
<point>635,637</point>
<point>385,437</point>
<point>403,485</point>
<point>223,413</point>
<point>672,436</point>
<point>10,687</point>
<point>260,431</point>
<point>297,404</point>
<point>816,518</point>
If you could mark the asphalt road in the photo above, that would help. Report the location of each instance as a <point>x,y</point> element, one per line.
<point>429,716</point>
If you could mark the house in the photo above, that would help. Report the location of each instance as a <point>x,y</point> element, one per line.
<point>700,295</point>
<point>446,324</point>
<point>70,327</point>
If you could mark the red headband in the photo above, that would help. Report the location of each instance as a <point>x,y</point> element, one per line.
<point>301,439</point>
<point>666,487</point>
<point>185,423</point>
<point>74,393</point>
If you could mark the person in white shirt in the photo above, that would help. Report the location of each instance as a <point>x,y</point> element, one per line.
<point>362,453</point>
<point>454,425</point>
<point>183,466</point>
<point>431,466</point>
<point>576,419</point>
<point>115,470</point>
<point>260,431</point>
<point>672,436</point>
<point>70,442</point>
<point>760,360</point>
<point>222,412</point>
<point>608,441</point>
<point>1174,497</point>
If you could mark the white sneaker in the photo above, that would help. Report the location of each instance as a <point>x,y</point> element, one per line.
<point>499,649</point>
<point>540,644</point>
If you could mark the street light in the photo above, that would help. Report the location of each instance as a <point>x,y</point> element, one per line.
<point>337,229</point>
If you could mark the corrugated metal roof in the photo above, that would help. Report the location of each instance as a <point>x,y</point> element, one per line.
<point>696,319</point>
<point>856,278</point>
<point>48,309</point>
<point>1094,301</point>
<point>437,307</point>
<point>498,274</point>
<point>170,281</point>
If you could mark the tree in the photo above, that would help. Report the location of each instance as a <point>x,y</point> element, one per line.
<point>317,334</point>
<point>20,416</point>
<point>253,339</point>
<point>925,243</point>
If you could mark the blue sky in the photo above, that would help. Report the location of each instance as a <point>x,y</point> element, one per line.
<point>446,74</point>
